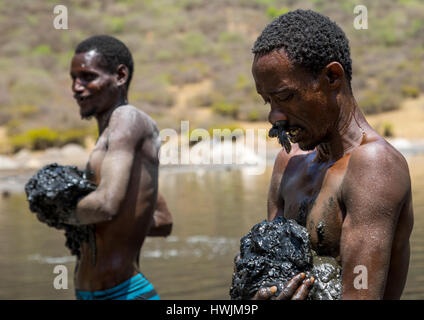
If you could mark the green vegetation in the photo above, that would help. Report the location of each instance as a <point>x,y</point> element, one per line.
<point>410,91</point>
<point>226,129</point>
<point>115,24</point>
<point>44,137</point>
<point>35,139</point>
<point>225,109</point>
<point>378,101</point>
<point>273,12</point>
<point>42,49</point>
<point>180,42</point>
<point>388,129</point>
<point>253,115</point>
<point>193,44</point>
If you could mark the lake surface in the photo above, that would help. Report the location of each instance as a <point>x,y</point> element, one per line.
<point>212,210</point>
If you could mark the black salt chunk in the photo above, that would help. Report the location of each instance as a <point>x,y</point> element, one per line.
<point>275,251</point>
<point>53,193</point>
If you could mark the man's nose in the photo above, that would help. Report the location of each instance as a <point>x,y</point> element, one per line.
<point>276,115</point>
<point>77,86</point>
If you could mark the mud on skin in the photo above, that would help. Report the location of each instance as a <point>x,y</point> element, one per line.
<point>278,131</point>
<point>53,193</point>
<point>275,251</point>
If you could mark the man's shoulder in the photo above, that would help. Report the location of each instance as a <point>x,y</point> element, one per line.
<point>134,119</point>
<point>379,154</point>
<point>377,167</point>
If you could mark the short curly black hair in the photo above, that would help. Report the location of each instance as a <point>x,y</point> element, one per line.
<point>309,39</point>
<point>113,51</point>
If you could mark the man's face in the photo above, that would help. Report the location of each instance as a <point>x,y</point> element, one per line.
<point>298,101</point>
<point>95,89</point>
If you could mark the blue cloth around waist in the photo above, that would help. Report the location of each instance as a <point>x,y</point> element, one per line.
<point>136,288</point>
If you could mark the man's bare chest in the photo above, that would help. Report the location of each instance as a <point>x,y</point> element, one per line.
<point>96,158</point>
<point>310,195</point>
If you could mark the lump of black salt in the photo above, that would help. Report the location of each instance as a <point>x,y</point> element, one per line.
<point>275,251</point>
<point>53,193</point>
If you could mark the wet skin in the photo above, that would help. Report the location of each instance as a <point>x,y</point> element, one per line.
<point>126,206</point>
<point>342,181</point>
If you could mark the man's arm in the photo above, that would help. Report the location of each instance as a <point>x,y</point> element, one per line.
<point>162,219</point>
<point>104,203</point>
<point>374,190</point>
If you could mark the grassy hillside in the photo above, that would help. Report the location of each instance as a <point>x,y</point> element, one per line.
<point>192,60</point>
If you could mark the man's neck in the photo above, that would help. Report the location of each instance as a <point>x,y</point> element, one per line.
<point>350,132</point>
<point>103,118</point>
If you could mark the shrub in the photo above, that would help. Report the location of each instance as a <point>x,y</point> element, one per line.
<point>378,101</point>
<point>74,136</point>
<point>44,137</point>
<point>42,49</point>
<point>25,111</point>
<point>273,12</point>
<point>253,115</point>
<point>115,24</point>
<point>388,129</point>
<point>36,139</point>
<point>225,109</point>
<point>410,91</point>
<point>194,44</point>
<point>234,128</point>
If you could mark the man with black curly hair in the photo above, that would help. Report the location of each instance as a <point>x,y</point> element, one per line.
<point>335,175</point>
<point>125,207</point>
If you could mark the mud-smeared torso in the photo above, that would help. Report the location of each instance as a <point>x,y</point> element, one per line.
<point>119,241</point>
<point>309,193</point>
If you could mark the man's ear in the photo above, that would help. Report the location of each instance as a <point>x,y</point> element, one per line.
<point>333,74</point>
<point>122,74</point>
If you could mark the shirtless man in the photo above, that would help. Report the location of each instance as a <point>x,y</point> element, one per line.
<point>342,181</point>
<point>125,207</point>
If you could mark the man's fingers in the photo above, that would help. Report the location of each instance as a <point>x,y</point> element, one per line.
<point>291,287</point>
<point>296,289</point>
<point>265,293</point>
<point>303,291</point>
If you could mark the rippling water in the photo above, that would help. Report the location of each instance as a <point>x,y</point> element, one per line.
<point>212,210</point>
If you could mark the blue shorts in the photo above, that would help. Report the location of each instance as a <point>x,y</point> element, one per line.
<point>136,288</point>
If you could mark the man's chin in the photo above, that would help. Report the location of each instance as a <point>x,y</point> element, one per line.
<point>86,117</point>
<point>86,114</point>
<point>307,146</point>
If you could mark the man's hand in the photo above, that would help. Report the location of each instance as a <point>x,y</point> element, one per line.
<point>296,289</point>
<point>161,225</point>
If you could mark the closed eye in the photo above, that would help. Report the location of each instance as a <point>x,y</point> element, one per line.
<point>285,98</point>
<point>89,76</point>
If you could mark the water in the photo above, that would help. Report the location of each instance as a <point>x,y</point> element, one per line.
<point>212,210</point>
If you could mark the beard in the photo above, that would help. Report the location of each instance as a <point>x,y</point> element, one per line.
<point>87,113</point>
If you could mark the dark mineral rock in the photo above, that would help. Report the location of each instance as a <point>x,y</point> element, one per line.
<point>53,193</point>
<point>274,252</point>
